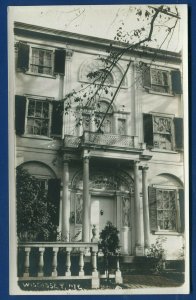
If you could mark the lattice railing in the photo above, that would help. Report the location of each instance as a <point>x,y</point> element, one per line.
<point>108,139</point>
<point>71,141</point>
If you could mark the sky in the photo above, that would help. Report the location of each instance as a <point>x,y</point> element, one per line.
<point>99,20</point>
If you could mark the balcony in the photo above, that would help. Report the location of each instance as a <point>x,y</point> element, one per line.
<point>111,141</point>
<point>103,140</point>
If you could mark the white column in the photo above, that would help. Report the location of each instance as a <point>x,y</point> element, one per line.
<point>65,202</point>
<point>86,201</point>
<point>67,89</point>
<point>138,217</point>
<point>145,207</point>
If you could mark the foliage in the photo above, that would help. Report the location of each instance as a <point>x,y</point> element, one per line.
<point>151,22</point>
<point>109,240</point>
<point>33,210</point>
<point>157,254</point>
<point>109,244</point>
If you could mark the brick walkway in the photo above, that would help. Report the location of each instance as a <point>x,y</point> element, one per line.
<point>148,281</point>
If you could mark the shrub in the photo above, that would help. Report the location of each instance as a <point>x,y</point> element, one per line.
<point>33,209</point>
<point>156,254</point>
<point>109,243</point>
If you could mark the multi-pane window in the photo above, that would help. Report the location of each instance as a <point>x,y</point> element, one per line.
<point>41,61</point>
<point>166,209</point>
<point>162,132</point>
<point>38,117</point>
<point>160,81</point>
<point>164,81</point>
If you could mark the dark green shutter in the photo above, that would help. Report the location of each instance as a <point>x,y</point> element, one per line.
<point>59,61</point>
<point>23,56</point>
<point>148,129</point>
<point>54,187</point>
<point>20,109</point>
<point>152,208</point>
<point>57,118</point>
<point>146,77</point>
<point>176,82</point>
<point>182,212</point>
<point>178,127</point>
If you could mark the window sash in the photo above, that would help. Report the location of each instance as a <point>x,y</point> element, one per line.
<point>160,80</point>
<point>166,210</point>
<point>163,133</point>
<point>38,117</point>
<point>41,61</point>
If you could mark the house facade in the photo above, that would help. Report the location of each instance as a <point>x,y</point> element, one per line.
<point>131,172</point>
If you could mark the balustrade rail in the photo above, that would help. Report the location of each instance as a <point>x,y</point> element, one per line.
<point>61,261</point>
<point>54,260</point>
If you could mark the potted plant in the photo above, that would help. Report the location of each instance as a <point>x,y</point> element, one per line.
<point>109,245</point>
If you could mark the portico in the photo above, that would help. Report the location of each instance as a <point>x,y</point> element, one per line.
<point>102,192</point>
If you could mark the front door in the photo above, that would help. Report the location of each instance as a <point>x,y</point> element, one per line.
<point>103,209</point>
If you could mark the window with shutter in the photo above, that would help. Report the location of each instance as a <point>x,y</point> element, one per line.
<point>42,61</point>
<point>38,117</point>
<point>164,210</point>
<point>161,81</point>
<point>162,132</point>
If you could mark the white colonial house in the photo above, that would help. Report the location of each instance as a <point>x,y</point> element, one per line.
<point>130,173</point>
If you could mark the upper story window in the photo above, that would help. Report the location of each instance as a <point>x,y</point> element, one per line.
<point>162,81</point>
<point>38,116</point>
<point>40,60</point>
<point>161,132</point>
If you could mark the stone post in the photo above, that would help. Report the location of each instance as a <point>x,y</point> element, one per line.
<point>138,215</point>
<point>86,201</point>
<point>65,202</point>
<point>145,207</point>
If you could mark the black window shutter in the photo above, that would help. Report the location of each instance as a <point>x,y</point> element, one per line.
<point>20,109</point>
<point>181,205</point>
<point>148,129</point>
<point>59,61</point>
<point>23,56</point>
<point>57,118</point>
<point>176,82</point>
<point>146,77</point>
<point>178,127</point>
<point>152,208</point>
<point>54,186</point>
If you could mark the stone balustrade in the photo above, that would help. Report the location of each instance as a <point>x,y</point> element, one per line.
<point>62,262</point>
<point>45,260</point>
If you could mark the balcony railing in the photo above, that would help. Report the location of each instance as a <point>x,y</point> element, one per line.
<point>60,261</point>
<point>110,140</point>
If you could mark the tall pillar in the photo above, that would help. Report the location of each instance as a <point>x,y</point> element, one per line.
<point>67,129</point>
<point>65,202</point>
<point>145,207</point>
<point>138,213</point>
<point>86,201</point>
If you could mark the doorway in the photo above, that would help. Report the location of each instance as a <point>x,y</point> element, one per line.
<point>103,210</point>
